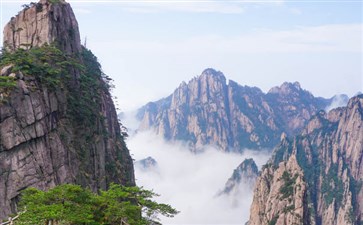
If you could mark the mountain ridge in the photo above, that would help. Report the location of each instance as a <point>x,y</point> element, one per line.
<point>209,111</point>
<point>316,176</point>
<point>245,174</point>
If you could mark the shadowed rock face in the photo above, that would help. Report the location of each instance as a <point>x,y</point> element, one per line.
<point>41,143</point>
<point>207,110</point>
<point>41,23</point>
<point>324,165</point>
<point>245,174</point>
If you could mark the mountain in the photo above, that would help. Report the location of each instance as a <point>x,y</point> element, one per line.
<point>147,163</point>
<point>41,23</point>
<point>246,174</point>
<point>58,123</point>
<point>208,111</point>
<point>315,177</point>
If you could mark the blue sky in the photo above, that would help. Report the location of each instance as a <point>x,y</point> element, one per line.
<point>150,47</point>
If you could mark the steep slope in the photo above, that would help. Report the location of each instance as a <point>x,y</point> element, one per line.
<point>208,111</point>
<point>41,23</point>
<point>58,123</point>
<point>316,177</point>
<point>245,174</point>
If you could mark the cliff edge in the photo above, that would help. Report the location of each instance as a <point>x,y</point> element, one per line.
<point>58,123</point>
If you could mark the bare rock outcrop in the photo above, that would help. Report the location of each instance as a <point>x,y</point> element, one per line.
<point>327,158</point>
<point>245,174</point>
<point>279,195</point>
<point>41,23</point>
<point>208,111</point>
<point>53,134</point>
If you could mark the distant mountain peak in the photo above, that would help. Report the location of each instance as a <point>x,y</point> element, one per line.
<point>213,75</point>
<point>286,88</point>
<point>211,71</point>
<point>246,174</point>
<point>207,110</point>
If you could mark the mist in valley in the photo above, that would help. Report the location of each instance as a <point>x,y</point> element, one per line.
<point>191,182</point>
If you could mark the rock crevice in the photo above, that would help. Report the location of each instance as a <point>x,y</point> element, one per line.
<point>328,155</point>
<point>208,111</point>
<point>41,23</point>
<point>45,139</point>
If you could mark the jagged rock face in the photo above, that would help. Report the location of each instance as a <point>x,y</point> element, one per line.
<point>41,23</point>
<point>296,104</point>
<point>207,111</point>
<point>245,174</point>
<point>329,157</point>
<point>42,144</point>
<point>279,195</point>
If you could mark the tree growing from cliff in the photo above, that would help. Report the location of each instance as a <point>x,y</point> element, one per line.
<point>72,204</point>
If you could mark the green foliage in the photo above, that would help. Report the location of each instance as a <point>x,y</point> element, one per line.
<point>282,152</point>
<point>273,221</point>
<point>312,167</point>
<point>127,202</point>
<point>287,189</point>
<point>71,204</point>
<point>332,187</point>
<point>84,101</point>
<point>52,68</point>
<point>66,204</point>
<point>47,64</point>
<point>289,208</point>
<point>79,77</point>
<point>6,83</point>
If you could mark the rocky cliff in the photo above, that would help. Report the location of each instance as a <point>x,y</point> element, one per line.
<point>41,23</point>
<point>208,111</point>
<point>317,176</point>
<point>58,123</point>
<point>245,174</point>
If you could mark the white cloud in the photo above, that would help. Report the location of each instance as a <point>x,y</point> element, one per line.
<point>328,53</point>
<point>189,6</point>
<point>190,182</point>
<point>185,6</point>
<point>328,38</point>
<point>338,101</point>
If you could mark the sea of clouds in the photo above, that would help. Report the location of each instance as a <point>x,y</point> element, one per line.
<point>190,182</point>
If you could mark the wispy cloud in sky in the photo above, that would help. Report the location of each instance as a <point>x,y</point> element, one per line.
<point>281,52</point>
<point>328,38</point>
<point>185,6</point>
<point>143,44</point>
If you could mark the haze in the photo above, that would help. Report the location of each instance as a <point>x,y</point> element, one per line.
<point>150,47</point>
<point>190,182</point>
